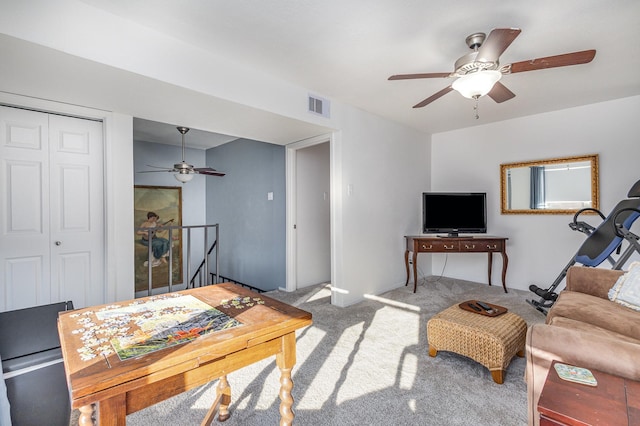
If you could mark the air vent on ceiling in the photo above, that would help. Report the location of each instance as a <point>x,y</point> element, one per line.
<point>319,106</point>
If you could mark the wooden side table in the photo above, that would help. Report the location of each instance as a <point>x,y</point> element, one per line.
<point>469,244</point>
<point>614,401</point>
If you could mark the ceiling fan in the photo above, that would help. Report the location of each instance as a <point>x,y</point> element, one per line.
<point>478,73</point>
<point>183,171</point>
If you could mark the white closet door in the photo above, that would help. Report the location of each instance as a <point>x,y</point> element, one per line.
<point>51,210</point>
<point>24,209</point>
<point>76,200</point>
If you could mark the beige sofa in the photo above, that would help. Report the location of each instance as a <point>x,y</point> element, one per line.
<point>586,329</point>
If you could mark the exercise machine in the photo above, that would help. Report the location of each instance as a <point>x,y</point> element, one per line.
<point>600,245</point>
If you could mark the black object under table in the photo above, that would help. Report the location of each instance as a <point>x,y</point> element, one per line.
<point>32,365</point>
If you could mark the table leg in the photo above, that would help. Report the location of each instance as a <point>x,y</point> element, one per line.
<point>415,270</point>
<point>490,264</point>
<point>285,360</point>
<point>87,413</point>
<point>113,411</point>
<point>221,403</point>
<point>406,265</point>
<point>224,393</point>
<point>505,262</point>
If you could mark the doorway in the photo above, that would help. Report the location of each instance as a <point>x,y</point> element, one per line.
<point>309,248</point>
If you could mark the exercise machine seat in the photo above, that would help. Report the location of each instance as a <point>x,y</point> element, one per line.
<point>603,241</point>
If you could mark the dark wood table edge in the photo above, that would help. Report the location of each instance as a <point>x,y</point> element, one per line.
<point>503,252</point>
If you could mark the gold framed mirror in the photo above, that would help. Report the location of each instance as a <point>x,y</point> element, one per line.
<point>553,186</point>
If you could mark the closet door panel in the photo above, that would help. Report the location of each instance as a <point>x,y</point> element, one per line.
<point>24,206</point>
<point>24,196</point>
<point>77,206</point>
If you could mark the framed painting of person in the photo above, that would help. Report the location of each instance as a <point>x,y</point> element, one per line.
<point>158,237</point>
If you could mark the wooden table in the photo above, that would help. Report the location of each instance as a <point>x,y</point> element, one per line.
<point>108,388</point>
<point>466,244</point>
<point>614,401</point>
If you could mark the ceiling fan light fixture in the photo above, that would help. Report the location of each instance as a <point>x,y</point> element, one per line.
<point>184,176</point>
<point>476,84</point>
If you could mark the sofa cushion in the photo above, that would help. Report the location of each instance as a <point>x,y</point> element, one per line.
<point>593,281</point>
<point>596,311</point>
<point>572,324</point>
<point>626,290</point>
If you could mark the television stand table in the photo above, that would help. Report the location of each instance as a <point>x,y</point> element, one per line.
<point>463,244</point>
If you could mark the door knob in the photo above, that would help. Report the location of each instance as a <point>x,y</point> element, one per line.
<point>58,243</point>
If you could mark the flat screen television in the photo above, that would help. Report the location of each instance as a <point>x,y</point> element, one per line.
<point>454,212</point>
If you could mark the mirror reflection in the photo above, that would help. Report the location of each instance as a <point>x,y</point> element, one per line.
<point>553,186</point>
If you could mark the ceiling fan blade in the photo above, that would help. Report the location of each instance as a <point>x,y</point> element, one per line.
<point>157,171</point>
<point>160,167</point>
<point>500,93</point>
<point>433,97</point>
<point>208,171</point>
<point>423,75</point>
<point>575,58</point>
<point>496,43</point>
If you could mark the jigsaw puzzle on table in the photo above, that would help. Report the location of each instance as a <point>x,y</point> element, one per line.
<point>147,326</point>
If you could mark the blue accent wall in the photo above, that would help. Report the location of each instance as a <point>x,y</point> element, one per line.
<point>252,228</point>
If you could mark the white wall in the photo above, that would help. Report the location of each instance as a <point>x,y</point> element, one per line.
<point>313,215</point>
<point>165,79</point>
<point>539,246</point>
<point>380,172</point>
<point>386,165</point>
<point>119,205</point>
<point>119,67</point>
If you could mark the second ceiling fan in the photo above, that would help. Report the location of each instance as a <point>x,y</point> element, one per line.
<point>478,73</point>
<point>184,171</point>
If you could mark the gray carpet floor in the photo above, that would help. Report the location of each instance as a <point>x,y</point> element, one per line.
<point>368,364</point>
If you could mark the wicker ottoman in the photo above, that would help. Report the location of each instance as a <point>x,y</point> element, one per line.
<point>491,341</point>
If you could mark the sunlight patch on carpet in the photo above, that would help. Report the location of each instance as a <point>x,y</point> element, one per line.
<point>378,349</point>
<point>330,375</point>
<point>395,303</point>
<point>408,371</point>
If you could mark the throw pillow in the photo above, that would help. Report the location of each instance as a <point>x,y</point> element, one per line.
<point>626,290</point>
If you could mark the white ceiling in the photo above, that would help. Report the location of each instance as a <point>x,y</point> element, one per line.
<point>345,50</point>
<point>153,131</point>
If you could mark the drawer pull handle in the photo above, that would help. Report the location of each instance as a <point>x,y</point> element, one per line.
<point>467,246</point>
<point>424,247</point>
<point>493,247</point>
<point>448,247</point>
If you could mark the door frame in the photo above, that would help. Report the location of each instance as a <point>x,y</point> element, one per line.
<point>118,204</point>
<point>291,199</point>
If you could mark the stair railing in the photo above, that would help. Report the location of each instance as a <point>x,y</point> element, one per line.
<point>205,262</point>
<point>198,273</point>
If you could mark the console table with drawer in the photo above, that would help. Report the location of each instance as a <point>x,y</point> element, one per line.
<point>462,244</point>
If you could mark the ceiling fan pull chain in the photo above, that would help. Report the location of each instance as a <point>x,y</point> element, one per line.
<point>475,108</point>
